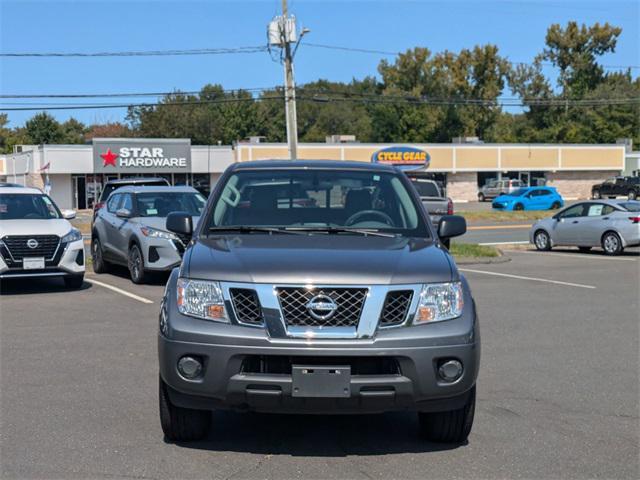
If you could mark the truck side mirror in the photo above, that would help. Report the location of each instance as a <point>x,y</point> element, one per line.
<point>451,226</point>
<point>180,223</point>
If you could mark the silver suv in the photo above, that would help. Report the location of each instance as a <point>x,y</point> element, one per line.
<point>129,229</point>
<point>346,302</point>
<point>495,188</point>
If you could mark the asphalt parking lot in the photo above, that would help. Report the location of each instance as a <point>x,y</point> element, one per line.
<point>557,394</point>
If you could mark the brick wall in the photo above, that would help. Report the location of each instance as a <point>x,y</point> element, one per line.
<point>462,186</point>
<point>577,184</point>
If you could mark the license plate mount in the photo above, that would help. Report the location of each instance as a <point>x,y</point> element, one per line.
<point>326,381</point>
<point>33,263</point>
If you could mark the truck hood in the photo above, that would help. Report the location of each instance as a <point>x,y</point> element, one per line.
<point>54,226</point>
<point>318,259</point>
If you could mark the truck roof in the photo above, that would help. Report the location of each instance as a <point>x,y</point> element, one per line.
<point>312,164</point>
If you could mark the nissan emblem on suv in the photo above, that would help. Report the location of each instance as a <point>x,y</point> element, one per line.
<point>32,243</point>
<point>322,307</point>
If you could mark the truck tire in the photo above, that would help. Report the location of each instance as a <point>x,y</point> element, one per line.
<point>181,424</point>
<point>596,195</point>
<point>632,195</point>
<point>449,427</point>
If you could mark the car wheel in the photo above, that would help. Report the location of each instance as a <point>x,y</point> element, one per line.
<point>181,424</point>
<point>449,427</point>
<point>481,197</point>
<point>74,281</point>
<point>632,195</point>
<point>596,195</point>
<point>135,263</point>
<point>97,256</point>
<point>611,243</point>
<point>518,207</point>
<point>584,249</point>
<point>542,240</point>
<point>555,205</point>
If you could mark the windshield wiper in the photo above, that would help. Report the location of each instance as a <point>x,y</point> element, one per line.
<point>246,229</point>
<point>336,230</point>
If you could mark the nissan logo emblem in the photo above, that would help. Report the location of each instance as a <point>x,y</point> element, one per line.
<point>32,243</point>
<point>321,307</point>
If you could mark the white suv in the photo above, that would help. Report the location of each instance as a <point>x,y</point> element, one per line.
<point>36,238</point>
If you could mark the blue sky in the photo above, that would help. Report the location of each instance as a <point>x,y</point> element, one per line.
<point>517,27</point>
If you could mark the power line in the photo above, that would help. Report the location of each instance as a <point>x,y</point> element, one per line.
<point>132,94</point>
<point>396,53</point>
<point>142,53</point>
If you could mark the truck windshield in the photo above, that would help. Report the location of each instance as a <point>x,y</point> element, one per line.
<point>22,206</point>
<point>426,188</point>
<point>318,200</point>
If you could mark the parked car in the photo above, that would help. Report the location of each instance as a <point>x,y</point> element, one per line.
<point>111,185</point>
<point>130,229</point>
<point>432,198</point>
<point>530,198</point>
<point>495,188</point>
<point>36,238</point>
<point>347,305</point>
<point>612,225</point>
<point>617,187</point>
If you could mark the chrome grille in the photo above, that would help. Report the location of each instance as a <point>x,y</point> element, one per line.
<point>17,246</point>
<point>349,303</point>
<point>246,305</point>
<point>395,308</point>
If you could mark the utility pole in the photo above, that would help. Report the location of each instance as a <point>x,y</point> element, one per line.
<point>289,85</point>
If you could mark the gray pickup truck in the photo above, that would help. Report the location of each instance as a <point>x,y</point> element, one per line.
<point>337,297</point>
<point>432,198</point>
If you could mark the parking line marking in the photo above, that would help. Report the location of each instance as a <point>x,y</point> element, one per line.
<point>579,256</point>
<point>119,290</point>
<point>534,279</point>
<point>504,243</point>
<point>497,227</point>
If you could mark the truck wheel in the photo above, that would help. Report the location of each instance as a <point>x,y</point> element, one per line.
<point>611,243</point>
<point>481,197</point>
<point>596,195</point>
<point>632,195</point>
<point>74,281</point>
<point>135,263</point>
<point>181,424</point>
<point>97,256</point>
<point>449,427</point>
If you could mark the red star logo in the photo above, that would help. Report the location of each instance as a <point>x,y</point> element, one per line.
<point>109,158</point>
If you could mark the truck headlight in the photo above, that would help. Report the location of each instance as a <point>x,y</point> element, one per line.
<point>155,233</point>
<point>201,299</point>
<point>73,236</point>
<point>440,301</point>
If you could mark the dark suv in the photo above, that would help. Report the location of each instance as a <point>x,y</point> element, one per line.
<point>346,302</point>
<point>617,187</point>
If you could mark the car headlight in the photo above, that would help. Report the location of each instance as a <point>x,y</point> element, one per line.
<point>440,301</point>
<point>73,236</point>
<point>201,299</point>
<point>154,233</point>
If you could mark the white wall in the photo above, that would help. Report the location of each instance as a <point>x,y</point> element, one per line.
<point>61,190</point>
<point>206,159</point>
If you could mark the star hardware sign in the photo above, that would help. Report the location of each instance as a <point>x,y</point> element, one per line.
<point>108,158</point>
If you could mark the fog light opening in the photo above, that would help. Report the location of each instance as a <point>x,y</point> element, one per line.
<point>189,367</point>
<point>450,370</point>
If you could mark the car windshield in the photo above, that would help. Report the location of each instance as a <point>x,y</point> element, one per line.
<point>21,206</point>
<point>631,206</point>
<point>161,204</point>
<point>518,193</point>
<point>425,188</point>
<point>319,200</point>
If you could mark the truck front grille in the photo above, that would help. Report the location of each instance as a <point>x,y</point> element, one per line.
<point>281,364</point>
<point>294,303</point>
<point>246,305</point>
<point>395,308</point>
<point>18,246</point>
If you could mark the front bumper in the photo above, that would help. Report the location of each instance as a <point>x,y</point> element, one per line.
<point>71,262</point>
<point>161,254</point>
<point>227,382</point>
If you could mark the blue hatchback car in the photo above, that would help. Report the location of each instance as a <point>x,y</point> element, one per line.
<point>530,198</point>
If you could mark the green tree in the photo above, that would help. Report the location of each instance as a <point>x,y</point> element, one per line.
<point>73,131</point>
<point>43,128</point>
